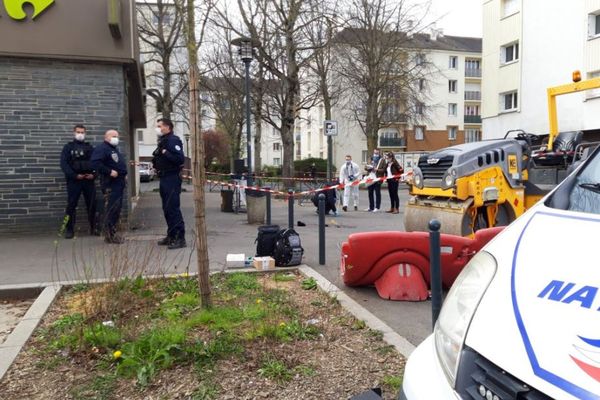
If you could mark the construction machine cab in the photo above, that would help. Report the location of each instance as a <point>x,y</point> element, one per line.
<point>562,151</point>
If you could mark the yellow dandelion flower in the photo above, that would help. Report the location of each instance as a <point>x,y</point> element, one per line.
<point>117,354</point>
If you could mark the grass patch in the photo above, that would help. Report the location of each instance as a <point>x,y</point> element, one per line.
<point>393,382</point>
<point>100,336</point>
<point>275,370</point>
<point>384,350</point>
<point>102,387</point>
<point>241,283</point>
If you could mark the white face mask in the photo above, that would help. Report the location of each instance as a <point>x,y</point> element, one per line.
<point>80,137</point>
<point>158,131</point>
<point>114,141</point>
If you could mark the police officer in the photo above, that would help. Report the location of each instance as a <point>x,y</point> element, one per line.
<point>110,165</point>
<point>77,167</point>
<point>168,161</point>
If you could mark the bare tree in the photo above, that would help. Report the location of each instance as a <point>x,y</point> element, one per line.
<point>382,66</point>
<point>188,8</point>
<point>284,53</point>
<point>160,25</point>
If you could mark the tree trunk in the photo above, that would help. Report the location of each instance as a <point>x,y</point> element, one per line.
<point>257,144</point>
<point>199,173</point>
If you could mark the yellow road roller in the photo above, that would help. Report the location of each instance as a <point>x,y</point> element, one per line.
<point>492,182</point>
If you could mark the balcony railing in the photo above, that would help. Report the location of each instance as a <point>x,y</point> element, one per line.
<point>472,119</point>
<point>392,142</point>
<point>472,95</point>
<point>473,72</point>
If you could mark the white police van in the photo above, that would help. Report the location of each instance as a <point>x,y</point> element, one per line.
<point>522,320</point>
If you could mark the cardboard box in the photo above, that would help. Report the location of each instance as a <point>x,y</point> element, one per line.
<point>262,263</point>
<point>235,260</point>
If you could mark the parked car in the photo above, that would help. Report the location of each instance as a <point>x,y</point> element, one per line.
<point>147,173</point>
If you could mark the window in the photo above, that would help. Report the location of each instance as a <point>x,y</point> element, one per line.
<point>421,84</point>
<point>452,86</point>
<point>591,94</point>
<point>508,101</point>
<point>452,132</point>
<point>365,156</point>
<point>594,25</point>
<point>276,146</point>
<point>472,135</point>
<point>419,108</point>
<point>277,162</point>
<point>140,135</point>
<point>419,132</point>
<point>509,7</point>
<point>453,62</point>
<point>472,110</point>
<point>472,64</point>
<point>509,53</point>
<point>420,59</point>
<point>452,107</point>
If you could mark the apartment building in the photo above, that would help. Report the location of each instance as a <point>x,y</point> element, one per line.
<point>452,113</point>
<point>529,46</point>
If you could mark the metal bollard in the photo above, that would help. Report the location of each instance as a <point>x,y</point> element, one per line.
<point>321,229</point>
<point>268,205</point>
<point>291,208</point>
<point>435,269</point>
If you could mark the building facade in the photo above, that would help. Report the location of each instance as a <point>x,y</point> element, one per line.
<point>529,46</point>
<point>52,79</point>
<point>453,116</point>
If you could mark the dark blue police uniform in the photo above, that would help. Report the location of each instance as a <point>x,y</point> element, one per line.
<point>168,161</point>
<point>75,159</point>
<point>105,158</point>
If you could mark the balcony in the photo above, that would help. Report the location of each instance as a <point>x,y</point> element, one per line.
<point>473,72</point>
<point>472,96</point>
<point>392,142</point>
<point>472,119</point>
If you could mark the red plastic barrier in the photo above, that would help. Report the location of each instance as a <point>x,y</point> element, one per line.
<point>367,256</point>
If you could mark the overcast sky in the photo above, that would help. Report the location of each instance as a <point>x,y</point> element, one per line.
<point>458,17</point>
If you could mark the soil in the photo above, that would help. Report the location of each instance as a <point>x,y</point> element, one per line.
<point>11,312</point>
<point>344,360</point>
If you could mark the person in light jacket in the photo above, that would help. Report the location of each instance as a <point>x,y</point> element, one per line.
<point>349,173</point>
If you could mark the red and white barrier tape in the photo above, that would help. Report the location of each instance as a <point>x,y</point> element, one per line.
<point>273,178</point>
<point>401,177</point>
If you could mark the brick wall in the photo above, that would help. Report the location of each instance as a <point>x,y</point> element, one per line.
<point>40,101</point>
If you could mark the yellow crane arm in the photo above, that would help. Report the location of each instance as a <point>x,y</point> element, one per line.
<point>560,90</point>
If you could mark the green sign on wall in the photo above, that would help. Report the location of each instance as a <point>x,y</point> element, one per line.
<point>14,8</point>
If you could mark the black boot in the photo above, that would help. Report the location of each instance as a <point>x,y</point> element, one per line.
<point>69,234</point>
<point>114,239</point>
<point>177,244</point>
<point>164,241</point>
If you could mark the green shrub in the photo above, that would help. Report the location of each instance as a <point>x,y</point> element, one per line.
<point>276,370</point>
<point>98,335</point>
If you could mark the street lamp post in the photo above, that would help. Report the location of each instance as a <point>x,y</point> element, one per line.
<point>245,50</point>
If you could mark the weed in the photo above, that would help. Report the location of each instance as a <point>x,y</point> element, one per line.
<point>317,303</point>
<point>102,387</point>
<point>358,325</point>
<point>394,382</point>
<point>98,335</point>
<point>217,319</point>
<point>387,349</point>
<point>275,370</point>
<point>241,283</point>
<point>376,334</point>
<point>79,287</point>
<point>205,391</point>
<point>66,322</point>
<point>154,350</point>
<point>182,304</point>
<point>305,370</point>
<point>299,331</point>
<point>180,285</point>
<point>283,277</point>
<point>309,284</point>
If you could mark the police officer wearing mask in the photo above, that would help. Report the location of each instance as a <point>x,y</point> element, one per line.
<point>168,161</point>
<point>110,165</point>
<point>77,167</point>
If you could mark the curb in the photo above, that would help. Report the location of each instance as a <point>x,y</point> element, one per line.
<point>391,337</point>
<point>10,349</point>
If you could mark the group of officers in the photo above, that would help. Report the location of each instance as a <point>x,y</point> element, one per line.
<point>82,164</point>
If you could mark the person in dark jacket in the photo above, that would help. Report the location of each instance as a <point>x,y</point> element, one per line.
<point>375,169</point>
<point>75,162</point>
<point>112,169</point>
<point>392,170</point>
<point>168,161</point>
